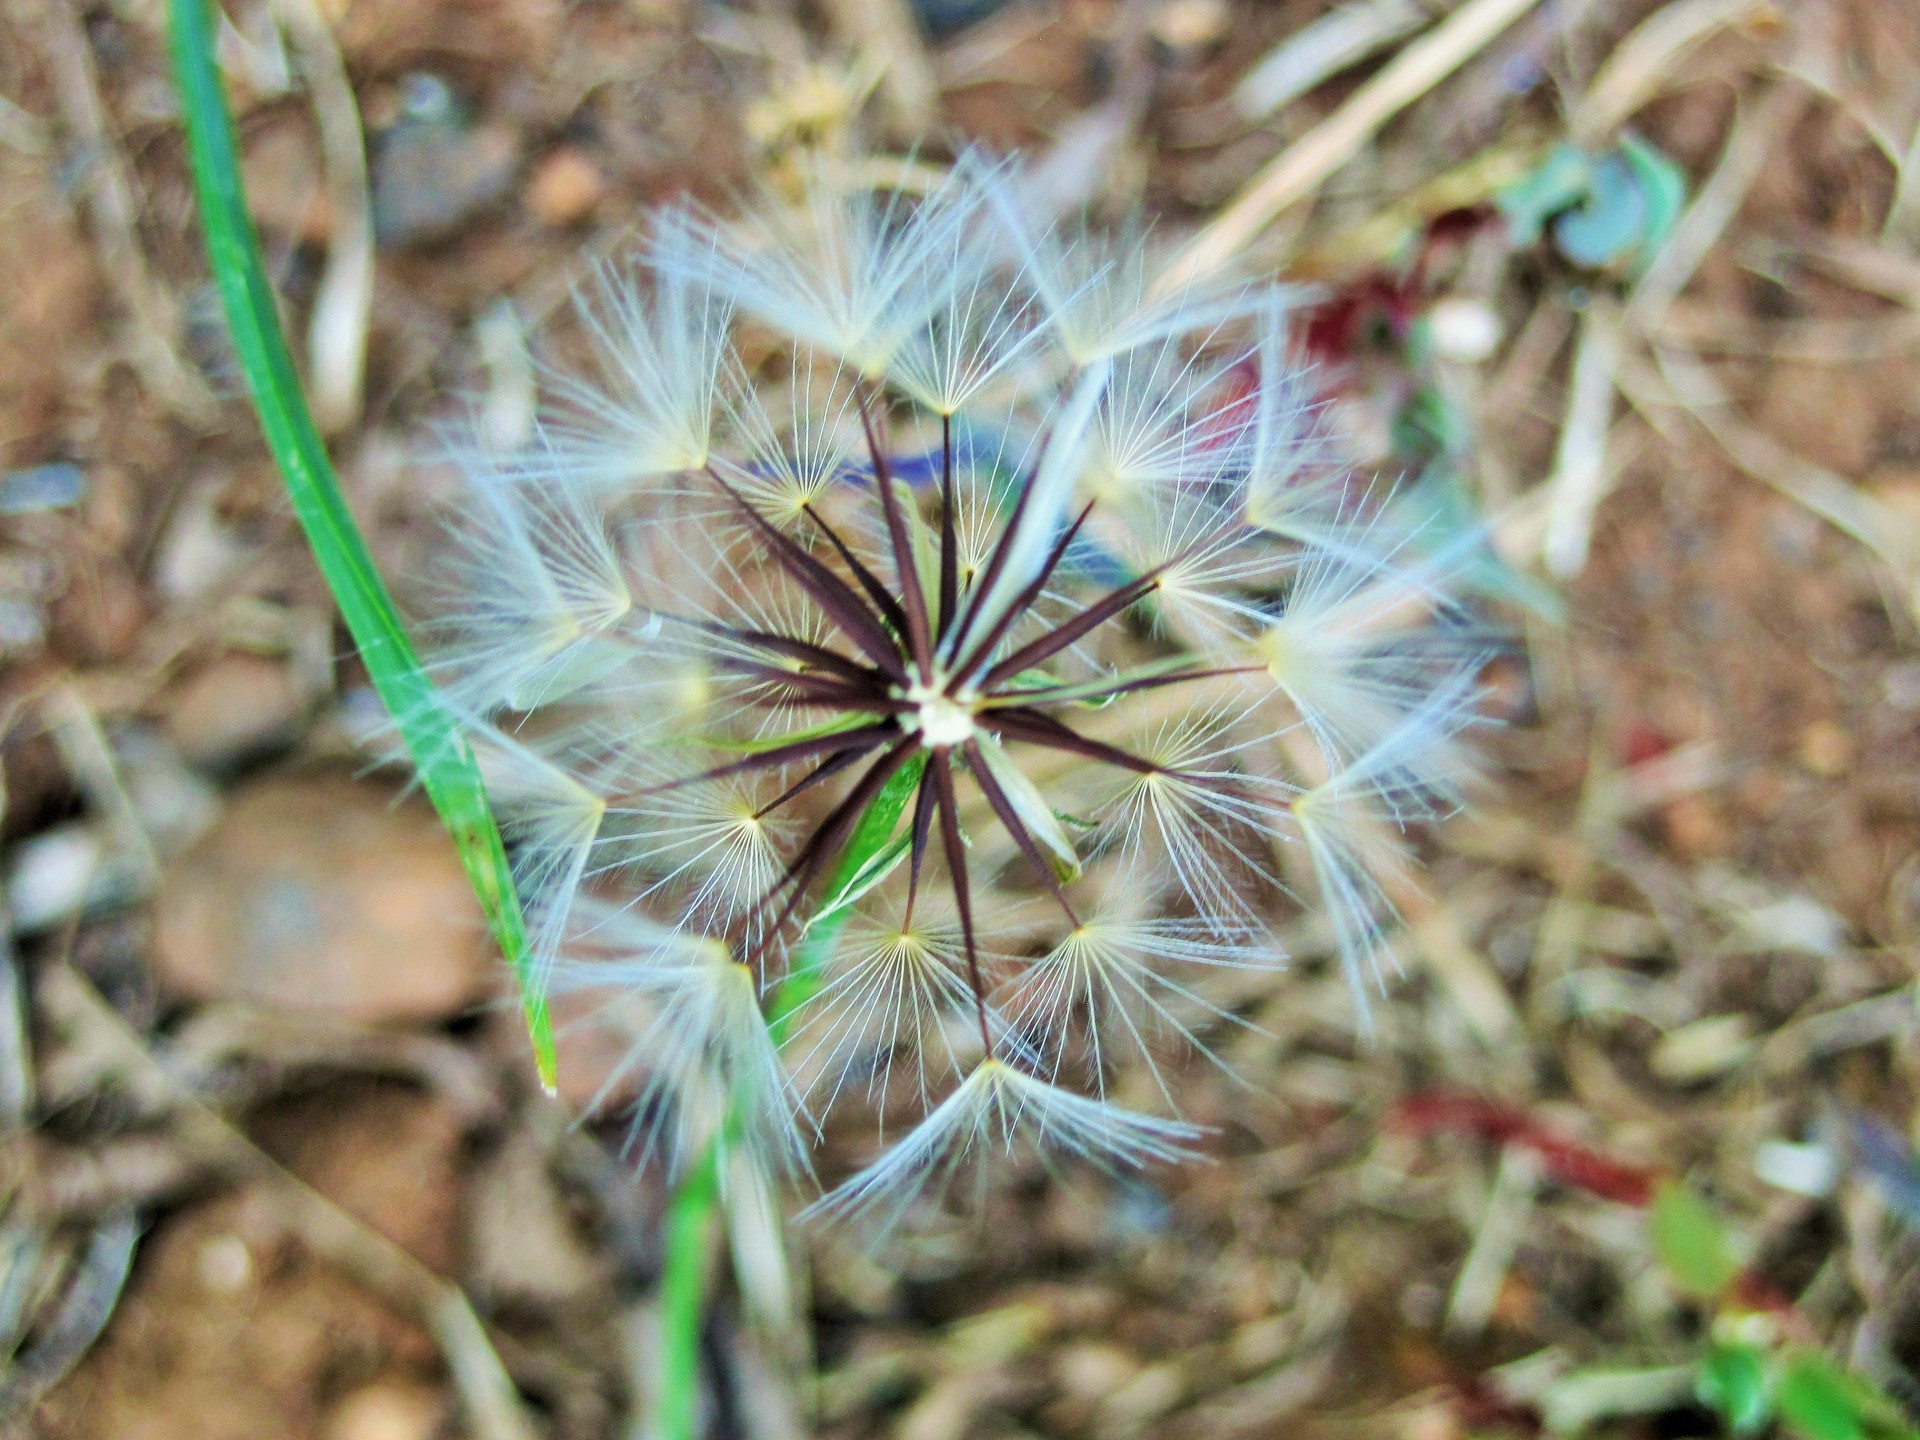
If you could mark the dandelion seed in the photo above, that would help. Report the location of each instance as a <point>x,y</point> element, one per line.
<point>535,602</point>
<point>853,272</point>
<point>1054,571</point>
<point>889,997</point>
<point>1349,825</point>
<point>664,359</point>
<point>1097,290</point>
<point>995,1110</point>
<point>690,1014</point>
<point>1118,981</point>
<point>788,463</point>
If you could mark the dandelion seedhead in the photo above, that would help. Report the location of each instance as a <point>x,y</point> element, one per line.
<point>921,657</point>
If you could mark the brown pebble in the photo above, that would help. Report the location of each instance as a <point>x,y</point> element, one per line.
<point>1826,749</point>
<point>1694,827</point>
<point>320,893</point>
<point>233,710</point>
<point>566,187</point>
<point>433,180</point>
<point>386,1410</point>
<point>1187,27</point>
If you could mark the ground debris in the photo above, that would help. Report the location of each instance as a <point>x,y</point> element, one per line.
<point>1671,942</point>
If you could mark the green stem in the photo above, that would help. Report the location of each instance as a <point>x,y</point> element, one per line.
<point>696,1198</point>
<point>683,1296</point>
<point>448,771</point>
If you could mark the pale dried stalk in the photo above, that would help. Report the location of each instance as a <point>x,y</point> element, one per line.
<point>1759,129</point>
<point>1634,72</point>
<point>1580,471</point>
<point>343,304</point>
<point>1297,171</point>
<point>1503,1225</point>
<point>112,205</point>
<point>1342,37</point>
<point>887,31</point>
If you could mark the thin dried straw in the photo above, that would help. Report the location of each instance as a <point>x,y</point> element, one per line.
<point>1297,171</point>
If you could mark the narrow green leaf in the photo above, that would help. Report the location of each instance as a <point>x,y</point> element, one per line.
<point>864,861</point>
<point>761,743</point>
<point>1692,1243</point>
<point>1095,693</point>
<point>1817,1400</point>
<point>1733,1382</point>
<point>878,867</point>
<point>687,1260</point>
<point>448,771</point>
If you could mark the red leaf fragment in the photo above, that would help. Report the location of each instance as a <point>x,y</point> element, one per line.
<point>1565,1160</point>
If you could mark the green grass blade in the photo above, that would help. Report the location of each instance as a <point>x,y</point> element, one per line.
<point>690,1212</point>
<point>871,837</point>
<point>683,1297</point>
<point>448,771</point>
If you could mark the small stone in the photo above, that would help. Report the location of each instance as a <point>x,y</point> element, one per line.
<point>1187,27</point>
<point>565,188</point>
<point>239,708</point>
<point>1901,685</point>
<point>1694,827</point>
<point>59,486</point>
<point>1826,749</point>
<point>175,805</point>
<point>321,894</point>
<point>50,874</point>
<point>388,1410</point>
<point>226,1265</point>
<point>65,871</point>
<point>1801,1169</point>
<point>201,549</point>
<point>433,176</point>
<point>23,628</point>
<point>1463,329</point>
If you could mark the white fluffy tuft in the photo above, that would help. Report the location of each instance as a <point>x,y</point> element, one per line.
<point>876,489</point>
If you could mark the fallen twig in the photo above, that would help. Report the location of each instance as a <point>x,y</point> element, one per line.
<point>154,330</point>
<point>343,302</point>
<point>1634,71</point>
<point>1580,471</point>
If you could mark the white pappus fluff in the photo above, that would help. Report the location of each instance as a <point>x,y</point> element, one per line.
<point>921,659</point>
